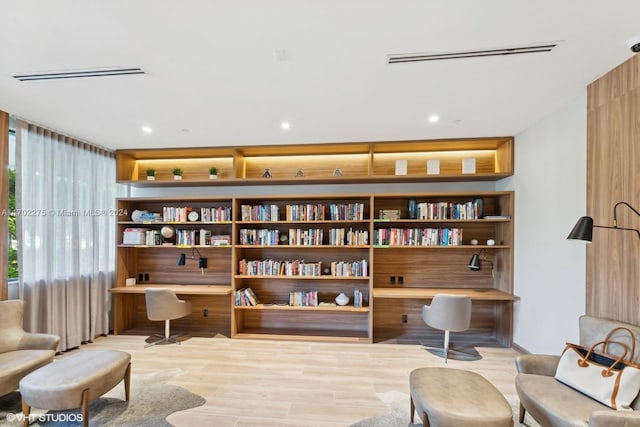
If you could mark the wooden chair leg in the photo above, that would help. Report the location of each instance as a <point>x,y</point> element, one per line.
<point>26,410</point>
<point>521,414</point>
<point>127,382</point>
<point>425,420</point>
<point>85,407</point>
<point>413,408</point>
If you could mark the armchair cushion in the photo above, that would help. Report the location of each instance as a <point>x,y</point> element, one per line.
<point>20,352</point>
<point>539,364</point>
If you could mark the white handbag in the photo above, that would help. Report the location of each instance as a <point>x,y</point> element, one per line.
<point>611,380</point>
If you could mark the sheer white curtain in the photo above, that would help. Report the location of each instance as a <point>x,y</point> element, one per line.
<point>65,196</point>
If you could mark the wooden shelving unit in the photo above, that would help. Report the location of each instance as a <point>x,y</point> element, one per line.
<point>320,163</point>
<point>400,278</point>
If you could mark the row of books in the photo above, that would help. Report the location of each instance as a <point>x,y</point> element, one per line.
<point>303,298</point>
<point>308,212</point>
<point>215,214</point>
<point>303,237</point>
<point>207,214</point>
<point>449,210</point>
<point>418,236</point>
<point>270,267</point>
<point>246,297</point>
<point>350,268</point>
<point>260,213</point>
<point>351,237</point>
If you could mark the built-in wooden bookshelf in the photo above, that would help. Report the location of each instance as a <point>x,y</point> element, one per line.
<point>395,250</point>
<point>279,245</point>
<point>319,163</point>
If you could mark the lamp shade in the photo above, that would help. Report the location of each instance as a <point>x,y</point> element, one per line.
<point>181,259</point>
<point>583,230</point>
<point>474,263</point>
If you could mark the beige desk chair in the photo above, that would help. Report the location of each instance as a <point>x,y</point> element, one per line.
<point>163,304</point>
<point>449,313</point>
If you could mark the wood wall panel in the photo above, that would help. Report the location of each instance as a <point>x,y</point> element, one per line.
<point>613,175</point>
<point>4,201</point>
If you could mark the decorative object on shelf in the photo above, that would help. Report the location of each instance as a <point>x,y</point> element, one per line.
<point>284,240</point>
<point>337,172</point>
<point>401,167</point>
<point>136,215</point>
<point>469,165</point>
<point>475,262</point>
<point>151,174</point>
<point>474,242</point>
<point>266,173</point>
<point>342,299</point>
<point>130,281</point>
<point>412,209</point>
<point>433,167</point>
<point>583,230</point>
<point>491,242</point>
<point>202,261</point>
<point>167,233</point>
<point>177,174</point>
<point>300,173</point>
<point>213,172</point>
<point>193,216</point>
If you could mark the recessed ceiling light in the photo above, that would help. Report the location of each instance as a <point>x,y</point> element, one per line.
<point>147,129</point>
<point>285,125</point>
<point>433,118</point>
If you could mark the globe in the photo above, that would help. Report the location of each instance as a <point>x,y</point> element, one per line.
<point>167,232</point>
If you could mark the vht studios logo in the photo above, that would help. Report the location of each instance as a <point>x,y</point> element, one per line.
<point>45,418</point>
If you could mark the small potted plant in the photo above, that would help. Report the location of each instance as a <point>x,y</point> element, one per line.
<point>151,174</point>
<point>213,172</point>
<point>177,174</point>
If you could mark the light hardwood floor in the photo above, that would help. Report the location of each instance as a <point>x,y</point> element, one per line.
<point>284,383</point>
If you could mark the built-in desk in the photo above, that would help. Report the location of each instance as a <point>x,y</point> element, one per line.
<point>211,308</point>
<point>397,314</point>
<point>428,293</point>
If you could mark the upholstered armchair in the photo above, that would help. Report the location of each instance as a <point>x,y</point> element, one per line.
<point>554,404</point>
<point>20,352</point>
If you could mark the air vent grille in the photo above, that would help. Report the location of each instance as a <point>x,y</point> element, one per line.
<point>517,50</point>
<point>76,74</point>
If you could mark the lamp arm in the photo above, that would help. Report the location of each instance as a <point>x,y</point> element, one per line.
<point>619,228</point>
<point>615,215</point>
<point>193,248</point>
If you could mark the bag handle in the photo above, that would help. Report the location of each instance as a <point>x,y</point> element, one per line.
<point>583,362</point>
<point>631,334</point>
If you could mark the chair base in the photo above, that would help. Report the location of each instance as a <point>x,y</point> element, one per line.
<point>163,340</point>
<point>464,354</point>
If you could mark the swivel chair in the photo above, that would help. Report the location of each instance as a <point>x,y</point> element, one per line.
<point>449,313</point>
<point>163,304</point>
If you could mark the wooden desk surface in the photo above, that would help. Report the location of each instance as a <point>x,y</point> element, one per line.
<point>428,293</point>
<point>180,289</point>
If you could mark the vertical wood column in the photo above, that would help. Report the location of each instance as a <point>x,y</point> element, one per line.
<point>613,175</point>
<point>4,202</point>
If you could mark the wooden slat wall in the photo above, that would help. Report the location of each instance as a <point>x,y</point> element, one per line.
<point>4,201</point>
<point>613,175</point>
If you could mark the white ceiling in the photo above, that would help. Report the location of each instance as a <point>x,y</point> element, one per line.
<point>213,76</point>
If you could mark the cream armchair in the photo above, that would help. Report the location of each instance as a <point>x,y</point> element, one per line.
<point>554,404</point>
<point>20,352</point>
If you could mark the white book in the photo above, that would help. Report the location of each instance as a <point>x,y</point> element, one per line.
<point>469,165</point>
<point>401,167</point>
<point>433,167</point>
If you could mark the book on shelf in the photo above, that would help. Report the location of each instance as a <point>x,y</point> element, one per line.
<point>496,217</point>
<point>246,297</point>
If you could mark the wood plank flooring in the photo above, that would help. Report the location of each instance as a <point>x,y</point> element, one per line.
<point>276,383</point>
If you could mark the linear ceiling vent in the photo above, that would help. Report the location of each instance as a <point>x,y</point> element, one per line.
<point>76,74</point>
<point>518,50</point>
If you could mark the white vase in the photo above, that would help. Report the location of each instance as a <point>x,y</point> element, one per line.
<point>150,178</point>
<point>177,177</point>
<point>213,176</point>
<point>342,299</point>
